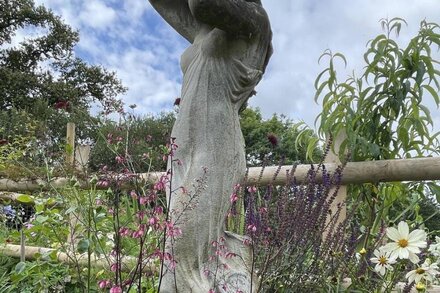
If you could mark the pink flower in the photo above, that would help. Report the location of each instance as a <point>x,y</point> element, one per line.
<point>252,228</point>
<point>138,234</point>
<point>230,255</point>
<point>116,289</point>
<point>103,284</point>
<point>263,210</point>
<point>172,230</point>
<point>120,159</point>
<point>247,242</point>
<point>167,256</point>
<point>143,200</point>
<point>153,221</point>
<point>133,194</point>
<point>158,210</point>
<point>233,198</point>
<point>103,184</point>
<point>161,184</point>
<point>114,267</point>
<point>172,265</point>
<point>124,231</point>
<point>252,189</point>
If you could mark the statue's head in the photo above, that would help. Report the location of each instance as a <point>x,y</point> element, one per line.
<point>256,1</point>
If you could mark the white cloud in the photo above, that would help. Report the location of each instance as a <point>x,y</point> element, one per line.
<point>135,9</point>
<point>97,15</point>
<point>145,51</point>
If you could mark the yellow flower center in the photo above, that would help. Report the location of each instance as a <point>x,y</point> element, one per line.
<point>403,243</point>
<point>420,286</point>
<point>420,271</point>
<point>382,260</point>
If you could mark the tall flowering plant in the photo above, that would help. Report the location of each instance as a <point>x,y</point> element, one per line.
<point>296,242</point>
<point>406,257</point>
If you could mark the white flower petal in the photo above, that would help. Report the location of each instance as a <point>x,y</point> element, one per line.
<point>403,230</point>
<point>390,247</point>
<point>403,253</point>
<point>421,244</point>
<point>417,235</point>
<point>393,234</point>
<point>414,258</point>
<point>413,249</point>
<point>411,276</point>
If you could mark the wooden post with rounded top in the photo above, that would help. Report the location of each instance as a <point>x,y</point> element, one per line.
<point>341,196</point>
<point>70,144</point>
<point>70,161</point>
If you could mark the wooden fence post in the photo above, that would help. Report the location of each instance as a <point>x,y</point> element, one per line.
<point>341,196</point>
<point>70,144</point>
<point>82,156</point>
<point>70,160</point>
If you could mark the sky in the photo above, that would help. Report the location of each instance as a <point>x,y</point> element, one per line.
<point>130,38</point>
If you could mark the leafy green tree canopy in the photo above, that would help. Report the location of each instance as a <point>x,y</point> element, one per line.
<point>44,67</point>
<point>275,139</point>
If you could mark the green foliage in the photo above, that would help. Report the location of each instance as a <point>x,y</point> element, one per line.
<point>41,276</point>
<point>23,77</point>
<point>43,82</point>
<point>291,139</point>
<point>137,137</point>
<point>383,115</point>
<point>382,111</point>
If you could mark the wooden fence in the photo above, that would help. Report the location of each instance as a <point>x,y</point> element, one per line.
<point>416,169</point>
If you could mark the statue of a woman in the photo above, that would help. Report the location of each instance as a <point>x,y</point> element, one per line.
<point>230,48</point>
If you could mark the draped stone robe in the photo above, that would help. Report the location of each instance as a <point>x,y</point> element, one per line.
<point>220,70</point>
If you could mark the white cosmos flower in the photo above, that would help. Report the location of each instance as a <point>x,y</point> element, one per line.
<point>426,271</point>
<point>405,245</point>
<point>434,248</point>
<point>383,261</point>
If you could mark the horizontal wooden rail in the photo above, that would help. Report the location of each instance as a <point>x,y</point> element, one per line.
<point>416,169</point>
<point>31,253</point>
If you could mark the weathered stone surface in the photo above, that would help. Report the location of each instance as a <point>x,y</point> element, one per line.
<point>230,48</point>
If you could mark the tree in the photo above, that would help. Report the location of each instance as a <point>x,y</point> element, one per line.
<point>44,67</point>
<point>42,77</point>
<point>383,115</point>
<point>138,139</point>
<point>275,139</point>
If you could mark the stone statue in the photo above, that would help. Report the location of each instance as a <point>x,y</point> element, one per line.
<point>230,48</point>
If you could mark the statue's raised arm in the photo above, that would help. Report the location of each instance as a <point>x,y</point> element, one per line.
<point>178,15</point>
<point>230,48</point>
<point>233,16</point>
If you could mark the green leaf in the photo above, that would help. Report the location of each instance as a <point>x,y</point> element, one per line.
<point>311,147</point>
<point>433,93</point>
<point>435,190</point>
<point>320,89</point>
<point>24,198</point>
<point>83,245</point>
<point>20,267</point>
<point>420,72</point>
<point>41,219</point>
